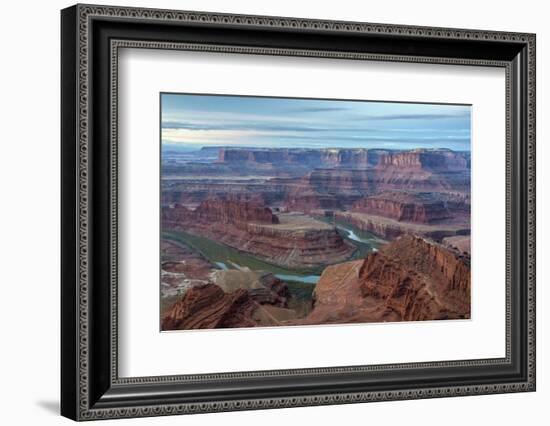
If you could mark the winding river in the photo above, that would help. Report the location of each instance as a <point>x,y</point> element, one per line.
<point>228,258</point>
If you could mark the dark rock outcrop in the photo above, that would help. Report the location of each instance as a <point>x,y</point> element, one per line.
<point>208,306</point>
<point>263,287</point>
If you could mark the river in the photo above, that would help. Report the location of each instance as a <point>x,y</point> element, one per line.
<point>228,258</point>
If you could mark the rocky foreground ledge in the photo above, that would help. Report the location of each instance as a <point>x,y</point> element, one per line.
<point>409,279</point>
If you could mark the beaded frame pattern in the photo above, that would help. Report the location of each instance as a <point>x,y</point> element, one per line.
<point>86,12</point>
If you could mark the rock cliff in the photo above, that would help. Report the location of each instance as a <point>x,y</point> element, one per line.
<point>405,207</point>
<point>305,179</point>
<point>208,306</point>
<point>181,268</point>
<point>331,157</point>
<point>424,159</point>
<point>263,287</point>
<point>358,158</point>
<point>408,280</point>
<point>234,212</point>
<point>291,240</point>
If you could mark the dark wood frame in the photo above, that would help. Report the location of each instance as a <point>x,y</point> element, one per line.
<point>91,37</point>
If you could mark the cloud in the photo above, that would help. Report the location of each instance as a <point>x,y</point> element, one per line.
<point>293,125</point>
<point>317,109</point>
<point>390,117</point>
<point>205,136</point>
<point>267,138</point>
<point>394,139</point>
<point>244,126</point>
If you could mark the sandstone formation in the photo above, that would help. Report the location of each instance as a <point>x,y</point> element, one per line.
<point>423,159</point>
<point>460,243</point>
<point>236,212</point>
<point>390,229</point>
<point>305,179</point>
<point>291,240</point>
<point>340,188</point>
<point>208,306</point>
<point>417,207</point>
<point>194,191</point>
<point>263,287</point>
<point>408,280</point>
<point>309,201</point>
<point>358,157</point>
<point>181,269</point>
<point>272,205</point>
<point>209,297</point>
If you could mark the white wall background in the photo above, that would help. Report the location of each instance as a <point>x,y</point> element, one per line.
<point>29,213</point>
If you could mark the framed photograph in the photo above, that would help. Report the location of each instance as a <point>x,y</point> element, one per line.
<point>263,212</point>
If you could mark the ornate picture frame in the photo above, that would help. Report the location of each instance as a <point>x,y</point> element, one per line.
<point>91,37</point>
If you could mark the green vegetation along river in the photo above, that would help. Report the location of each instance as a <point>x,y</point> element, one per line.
<point>227,257</point>
<point>301,282</point>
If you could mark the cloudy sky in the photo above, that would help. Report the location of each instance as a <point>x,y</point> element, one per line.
<point>203,120</point>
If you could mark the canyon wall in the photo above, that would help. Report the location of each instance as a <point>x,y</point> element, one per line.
<point>208,306</point>
<point>404,207</point>
<point>227,298</point>
<point>408,280</point>
<point>390,229</point>
<point>361,158</point>
<point>306,179</point>
<point>234,212</point>
<point>250,227</point>
<point>422,159</point>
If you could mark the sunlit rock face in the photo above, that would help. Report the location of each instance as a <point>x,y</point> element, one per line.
<point>409,279</point>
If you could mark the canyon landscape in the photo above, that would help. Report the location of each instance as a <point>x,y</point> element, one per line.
<point>257,231</point>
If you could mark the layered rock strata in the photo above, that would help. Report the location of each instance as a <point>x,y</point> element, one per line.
<point>209,306</point>
<point>390,229</point>
<point>424,159</point>
<point>181,268</point>
<point>291,240</point>
<point>405,207</point>
<point>263,287</point>
<point>459,243</point>
<point>359,158</point>
<point>305,179</point>
<point>410,279</point>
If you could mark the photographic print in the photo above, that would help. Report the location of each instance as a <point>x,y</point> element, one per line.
<point>291,211</point>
